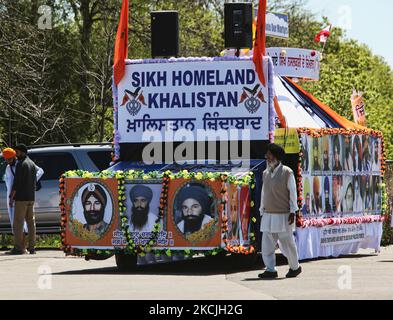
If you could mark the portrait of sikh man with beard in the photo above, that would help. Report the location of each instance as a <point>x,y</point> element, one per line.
<point>94,202</point>
<point>194,204</point>
<point>142,220</point>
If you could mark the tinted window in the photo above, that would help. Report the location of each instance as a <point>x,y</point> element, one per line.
<point>101,159</point>
<point>54,164</point>
<point>3,166</point>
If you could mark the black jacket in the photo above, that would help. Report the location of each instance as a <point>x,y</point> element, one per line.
<point>25,180</point>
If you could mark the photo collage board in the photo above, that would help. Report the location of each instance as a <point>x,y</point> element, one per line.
<point>341,175</point>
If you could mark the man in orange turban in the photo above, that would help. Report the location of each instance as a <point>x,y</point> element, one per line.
<point>9,156</point>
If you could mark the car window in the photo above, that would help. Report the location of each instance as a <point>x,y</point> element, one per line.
<point>101,159</point>
<point>54,164</point>
<point>3,166</point>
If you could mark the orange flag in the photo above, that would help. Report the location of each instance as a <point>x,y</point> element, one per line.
<point>121,44</point>
<point>260,41</point>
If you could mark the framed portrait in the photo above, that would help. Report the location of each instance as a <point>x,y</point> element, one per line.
<point>142,208</point>
<point>194,216</point>
<point>92,212</point>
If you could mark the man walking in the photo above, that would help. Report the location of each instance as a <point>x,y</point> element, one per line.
<point>278,211</point>
<point>23,193</point>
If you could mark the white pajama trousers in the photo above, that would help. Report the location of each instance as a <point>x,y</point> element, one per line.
<point>287,247</point>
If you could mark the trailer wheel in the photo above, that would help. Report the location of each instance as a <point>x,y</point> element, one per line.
<point>126,262</point>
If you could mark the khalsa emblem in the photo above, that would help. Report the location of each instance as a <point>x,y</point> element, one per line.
<point>133,101</point>
<point>252,102</point>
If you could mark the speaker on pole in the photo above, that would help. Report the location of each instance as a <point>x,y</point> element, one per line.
<point>238,18</point>
<point>164,34</point>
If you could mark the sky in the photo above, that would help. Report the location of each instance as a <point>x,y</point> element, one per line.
<point>369,22</point>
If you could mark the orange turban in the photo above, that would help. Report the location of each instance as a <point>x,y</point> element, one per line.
<point>9,153</point>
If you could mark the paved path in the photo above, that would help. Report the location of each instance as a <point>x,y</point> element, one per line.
<point>74,278</point>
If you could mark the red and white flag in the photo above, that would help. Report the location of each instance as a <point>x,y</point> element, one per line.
<point>323,35</point>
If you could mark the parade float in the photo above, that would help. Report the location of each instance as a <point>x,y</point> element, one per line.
<point>170,194</point>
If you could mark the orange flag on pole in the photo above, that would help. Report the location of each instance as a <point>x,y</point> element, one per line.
<point>260,41</point>
<point>121,44</point>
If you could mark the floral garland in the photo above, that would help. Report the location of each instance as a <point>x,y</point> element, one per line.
<point>320,223</point>
<point>318,133</point>
<point>63,215</point>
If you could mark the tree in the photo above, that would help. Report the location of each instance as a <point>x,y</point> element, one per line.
<point>30,102</point>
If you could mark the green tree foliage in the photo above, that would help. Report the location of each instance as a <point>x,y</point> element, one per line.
<point>354,66</point>
<point>56,84</point>
<point>346,65</point>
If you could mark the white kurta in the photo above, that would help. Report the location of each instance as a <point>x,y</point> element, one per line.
<point>276,227</point>
<point>9,182</point>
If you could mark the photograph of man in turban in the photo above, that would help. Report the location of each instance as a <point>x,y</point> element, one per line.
<point>194,204</point>
<point>337,154</point>
<point>317,198</point>
<point>94,201</point>
<point>306,209</point>
<point>142,220</point>
<point>316,155</point>
<point>326,188</point>
<point>349,195</point>
<point>326,153</point>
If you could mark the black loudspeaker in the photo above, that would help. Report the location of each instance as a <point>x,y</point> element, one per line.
<point>164,34</point>
<point>238,25</point>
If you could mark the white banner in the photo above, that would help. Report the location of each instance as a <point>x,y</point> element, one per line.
<point>295,63</point>
<point>334,235</point>
<point>316,242</point>
<point>216,96</point>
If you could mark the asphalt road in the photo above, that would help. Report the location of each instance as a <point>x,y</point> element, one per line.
<point>51,275</point>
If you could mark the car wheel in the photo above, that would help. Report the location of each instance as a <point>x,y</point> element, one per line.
<point>126,262</point>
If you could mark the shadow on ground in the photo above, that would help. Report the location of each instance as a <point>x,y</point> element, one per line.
<point>201,266</point>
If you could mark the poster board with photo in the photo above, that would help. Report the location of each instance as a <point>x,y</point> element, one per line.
<point>142,211</point>
<point>193,214</point>
<point>341,175</point>
<point>239,214</point>
<point>91,208</point>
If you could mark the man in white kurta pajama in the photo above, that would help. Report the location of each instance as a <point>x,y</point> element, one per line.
<point>278,211</point>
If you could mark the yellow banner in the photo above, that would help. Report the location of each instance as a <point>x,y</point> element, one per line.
<point>288,139</point>
<point>358,108</point>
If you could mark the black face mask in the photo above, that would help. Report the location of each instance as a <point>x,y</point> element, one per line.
<point>192,223</point>
<point>139,216</point>
<point>94,217</point>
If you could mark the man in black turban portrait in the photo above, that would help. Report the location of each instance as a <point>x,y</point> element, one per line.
<point>94,202</point>
<point>194,204</point>
<point>142,220</point>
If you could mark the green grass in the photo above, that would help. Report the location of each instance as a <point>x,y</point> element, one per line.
<point>43,241</point>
